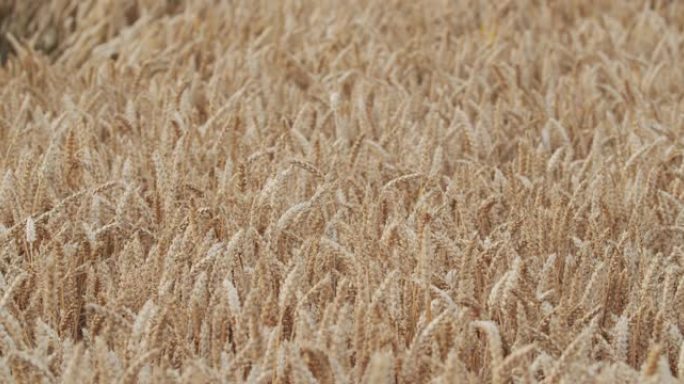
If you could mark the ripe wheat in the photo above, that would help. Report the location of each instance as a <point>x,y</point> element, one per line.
<point>366,191</point>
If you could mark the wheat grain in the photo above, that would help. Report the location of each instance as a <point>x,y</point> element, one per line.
<point>509,168</point>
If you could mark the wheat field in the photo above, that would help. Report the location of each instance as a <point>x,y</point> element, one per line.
<point>361,191</point>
